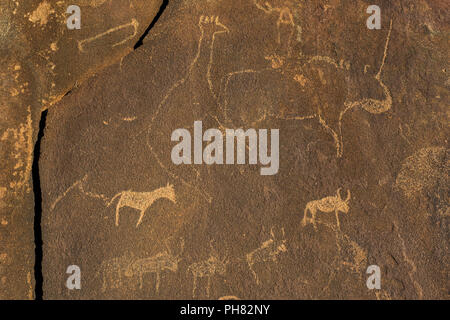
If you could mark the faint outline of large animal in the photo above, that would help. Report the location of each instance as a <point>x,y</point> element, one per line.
<point>206,269</point>
<point>156,264</point>
<point>112,270</point>
<point>327,204</point>
<point>268,251</point>
<point>199,104</point>
<point>142,200</point>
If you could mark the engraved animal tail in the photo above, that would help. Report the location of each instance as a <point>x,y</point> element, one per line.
<point>304,216</point>
<point>114,198</point>
<point>117,209</point>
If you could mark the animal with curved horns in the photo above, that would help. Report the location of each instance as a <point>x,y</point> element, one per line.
<point>327,204</point>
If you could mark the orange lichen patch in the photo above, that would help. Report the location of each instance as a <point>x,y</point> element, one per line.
<point>422,170</point>
<point>277,61</point>
<point>42,13</point>
<point>92,3</point>
<point>3,257</point>
<point>54,46</point>
<point>300,79</point>
<point>2,192</point>
<point>21,139</point>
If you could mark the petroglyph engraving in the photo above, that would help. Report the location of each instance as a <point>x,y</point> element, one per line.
<point>112,271</point>
<point>375,106</point>
<point>229,298</point>
<point>328,204</point>
<point>207,269</point>
<point>329,120</point>
<point>199,73</point>
<point>370,105</point>
<point>137,200</point>
<point>350,256</point>
<point>422,170</point>
<point>413,270</point>
<point>268,251</point>
<point>142,200</point>
<point>79,184</point>
<point>155,264</point>
<point>133,24</point>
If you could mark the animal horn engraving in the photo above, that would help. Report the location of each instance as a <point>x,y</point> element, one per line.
<point>338,193</point>
<point>348,195</point>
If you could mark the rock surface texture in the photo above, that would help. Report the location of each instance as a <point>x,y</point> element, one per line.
<point>364,162</point>
<point>40,61</point>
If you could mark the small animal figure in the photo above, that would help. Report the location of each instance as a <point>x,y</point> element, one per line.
<point>112,271</point>
<point>207,269</point>
<point>327,204</point>
<point>268,251</point>
<point>155,264</point>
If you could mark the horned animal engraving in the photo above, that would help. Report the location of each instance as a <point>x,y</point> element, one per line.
<point>207,269</point>
<point>327,204</point>
<point>142,200</point>
<point>112,271</point>
<point>268,251</point>
<point>155,264</point>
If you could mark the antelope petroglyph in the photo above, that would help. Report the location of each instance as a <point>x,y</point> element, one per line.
<point>327,204</point>
<point>112,271</point>
<point>142,200</point>
<point>207,269</point>
<point>200,102</point>
<point>268,251</point>
<point>156,264</point>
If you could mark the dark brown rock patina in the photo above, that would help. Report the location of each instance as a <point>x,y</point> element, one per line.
<point>40,60</point>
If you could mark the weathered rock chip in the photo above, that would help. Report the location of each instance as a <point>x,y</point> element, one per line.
<point>363,150</point>
<point>40,60</point>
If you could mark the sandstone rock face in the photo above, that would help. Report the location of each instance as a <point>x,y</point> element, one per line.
<point>40,60</point>
<point>363,152</point>
<point>363,144</point>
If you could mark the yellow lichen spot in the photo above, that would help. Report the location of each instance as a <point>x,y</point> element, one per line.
<point>3,257</point>
<point>17,67</point>
<point>321,76</point>
<point>2,192</point>
<point>54,46</point>
<point>276,60</point>
<point>42,13</point>
<point>14,92</point>
<point>4,222</point>
<point>300,79</point>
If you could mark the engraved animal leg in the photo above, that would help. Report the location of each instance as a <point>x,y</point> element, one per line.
<point>117,211</point>
<point>119,276</point>
<point>141,279</point>
<point>104,284</point>
<point>194,286</point>
<point>250,265</point>
<point>158,278</point>
<point>313,217</point>
<point>140,217</point>
<point>337,219</point>
<point>208,286</point>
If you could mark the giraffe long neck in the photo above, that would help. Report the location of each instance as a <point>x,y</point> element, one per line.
<point>200,70</point>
